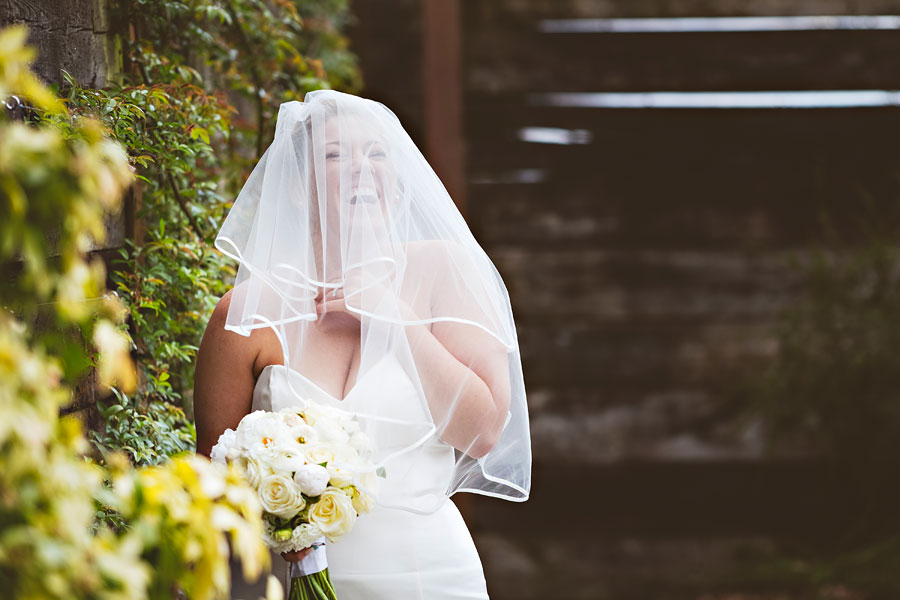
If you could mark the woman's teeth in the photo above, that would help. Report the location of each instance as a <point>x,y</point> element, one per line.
<point>365,195</point>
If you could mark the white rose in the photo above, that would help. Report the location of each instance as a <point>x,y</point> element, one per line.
<point>312,479</point>
<point>290,417</point>
<point>333,514</point>
<point>340,476</point>
<point>321,453</point>
<point>226,446</point>
<point>304,536</point>
<point>280,496</point>
<point>331,431</point>
<point>326,422</point>
<point>367,491</point>
<point>311,413</point>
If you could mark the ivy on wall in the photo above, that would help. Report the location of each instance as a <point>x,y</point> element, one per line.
<point>201,84</point>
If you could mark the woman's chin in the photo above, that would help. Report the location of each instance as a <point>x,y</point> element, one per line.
<point>337,321</point>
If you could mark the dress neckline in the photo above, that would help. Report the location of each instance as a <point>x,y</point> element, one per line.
<point>316,386</point>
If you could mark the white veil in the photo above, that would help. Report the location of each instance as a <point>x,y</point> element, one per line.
<point>344,208</point>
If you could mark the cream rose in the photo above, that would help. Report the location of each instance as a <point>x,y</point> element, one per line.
<point>320,453</point>
<point>339,476</point>
<point>250,469</point>
<point>362,502</point>
<point>333,514</point>
<point>280,496</point>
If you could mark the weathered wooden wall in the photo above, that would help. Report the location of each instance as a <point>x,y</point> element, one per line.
<point>646,268</point>
<point>70,35</point>
<point>387,38</point>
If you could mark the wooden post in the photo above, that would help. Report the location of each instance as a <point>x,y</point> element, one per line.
<point>442,77</point>
<point>444,149</point>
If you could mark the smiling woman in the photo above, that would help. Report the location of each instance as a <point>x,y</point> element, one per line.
<point>360,287</point>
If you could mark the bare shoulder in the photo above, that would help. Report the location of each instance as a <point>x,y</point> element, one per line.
<point>228,365</point>
<point>432,255</point>
<point>220,312</point>
<point>252,351</point>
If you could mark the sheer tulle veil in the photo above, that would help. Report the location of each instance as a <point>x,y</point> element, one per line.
<point>343,204</point>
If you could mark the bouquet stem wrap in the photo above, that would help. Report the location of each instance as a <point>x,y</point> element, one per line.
<point>309,577</point>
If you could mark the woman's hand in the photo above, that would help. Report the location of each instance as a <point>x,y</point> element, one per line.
<point>296,556</point>
<point>332,312</point>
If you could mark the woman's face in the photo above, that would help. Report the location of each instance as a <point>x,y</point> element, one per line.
<point>361,189</point>
<point>359,173</point>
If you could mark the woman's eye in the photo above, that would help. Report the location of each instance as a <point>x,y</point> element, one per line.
<point>333,155</point>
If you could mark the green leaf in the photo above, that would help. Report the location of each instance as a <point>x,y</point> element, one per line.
<point>200,132</point>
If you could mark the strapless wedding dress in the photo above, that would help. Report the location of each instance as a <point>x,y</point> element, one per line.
<point>390,553</point>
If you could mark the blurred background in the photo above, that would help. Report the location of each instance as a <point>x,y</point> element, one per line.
<point>694,205</point>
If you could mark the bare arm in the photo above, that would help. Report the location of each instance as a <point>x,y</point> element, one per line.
<point>223,380</point>
<point>476,409</point>
<point>227,366</point>
<point>452,353</point>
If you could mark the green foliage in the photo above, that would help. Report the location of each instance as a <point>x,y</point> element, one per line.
<point>188,63</point>
<point>146,434</point>
<point>60,178</point>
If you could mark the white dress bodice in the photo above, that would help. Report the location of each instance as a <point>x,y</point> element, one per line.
<point>391,553</point>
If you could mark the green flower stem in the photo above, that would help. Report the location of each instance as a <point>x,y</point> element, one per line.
<point>312,587</point>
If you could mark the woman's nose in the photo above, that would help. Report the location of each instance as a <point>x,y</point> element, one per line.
<point>361,163</point>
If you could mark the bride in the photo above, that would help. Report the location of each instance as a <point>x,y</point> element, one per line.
<point>360,286</point>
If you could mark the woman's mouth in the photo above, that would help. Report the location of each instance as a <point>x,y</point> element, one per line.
<point>364,195</point>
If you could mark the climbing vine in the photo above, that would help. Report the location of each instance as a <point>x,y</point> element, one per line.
<point>194,107</point>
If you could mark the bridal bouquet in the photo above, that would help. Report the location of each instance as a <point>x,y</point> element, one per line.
<point>312,470</point>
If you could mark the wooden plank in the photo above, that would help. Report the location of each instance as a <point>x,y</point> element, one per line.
<point>499,117</point>
<point>642,354</point>
<point>777,169</point>
<point>544,217</point>
<point>503,12</point>
<point>503,60</point>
